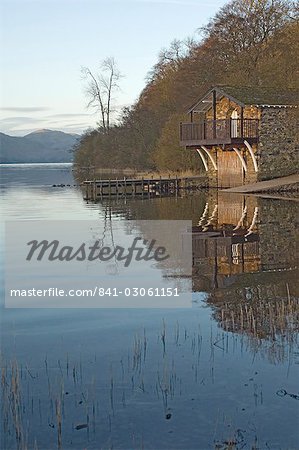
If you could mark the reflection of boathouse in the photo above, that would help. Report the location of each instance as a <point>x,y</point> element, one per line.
<point>244,257</point>
<point>244,134</point>
<point>225,240</point>
<point>236,236</point>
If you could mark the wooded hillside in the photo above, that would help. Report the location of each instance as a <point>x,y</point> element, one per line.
<point>248,42</point>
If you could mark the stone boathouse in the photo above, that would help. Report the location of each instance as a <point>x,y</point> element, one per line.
<point>244,134</point>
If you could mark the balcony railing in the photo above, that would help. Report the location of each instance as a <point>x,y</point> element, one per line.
<point>221,131</point>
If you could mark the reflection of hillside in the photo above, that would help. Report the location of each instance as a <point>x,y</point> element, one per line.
<point>266,314</point>
<point>265,311</point>
<point>163,208</point>
<point>244,257</point>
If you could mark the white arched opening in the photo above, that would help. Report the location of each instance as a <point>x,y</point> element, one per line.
<point>240,158</point>
<point>234,124</point>
<point>203,159</point>
<point>250,149</point>
<point>210,156</point>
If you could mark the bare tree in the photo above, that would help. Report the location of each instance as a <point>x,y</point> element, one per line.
<point>170,59</point>
<point>100,88</point>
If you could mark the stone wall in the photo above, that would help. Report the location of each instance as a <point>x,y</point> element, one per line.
<point>225,107</point>
<point>278,147</point>
<point>278,229</point>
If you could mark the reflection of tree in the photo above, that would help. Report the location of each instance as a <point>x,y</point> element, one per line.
<point>105,237</point>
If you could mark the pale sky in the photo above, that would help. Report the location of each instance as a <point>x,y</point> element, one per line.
<point>44,43</point>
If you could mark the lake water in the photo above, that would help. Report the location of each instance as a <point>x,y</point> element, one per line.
<point>222,374</point>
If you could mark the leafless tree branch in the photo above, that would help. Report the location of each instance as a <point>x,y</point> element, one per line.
<point>100,88</point>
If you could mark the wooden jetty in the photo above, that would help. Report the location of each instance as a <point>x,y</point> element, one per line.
<point>141,187</point>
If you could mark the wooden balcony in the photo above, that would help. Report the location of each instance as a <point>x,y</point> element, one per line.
<point>219,132</point>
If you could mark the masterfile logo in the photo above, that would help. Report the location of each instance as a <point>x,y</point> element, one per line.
<point>140,250</point>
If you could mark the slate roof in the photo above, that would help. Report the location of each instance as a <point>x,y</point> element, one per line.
<point>250,95</point>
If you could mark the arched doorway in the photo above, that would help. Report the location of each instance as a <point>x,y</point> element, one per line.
<point>234,123</point>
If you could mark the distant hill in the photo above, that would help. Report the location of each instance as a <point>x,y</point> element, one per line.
<point>37,147</point>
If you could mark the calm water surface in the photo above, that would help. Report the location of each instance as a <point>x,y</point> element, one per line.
<point>216,376</point>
